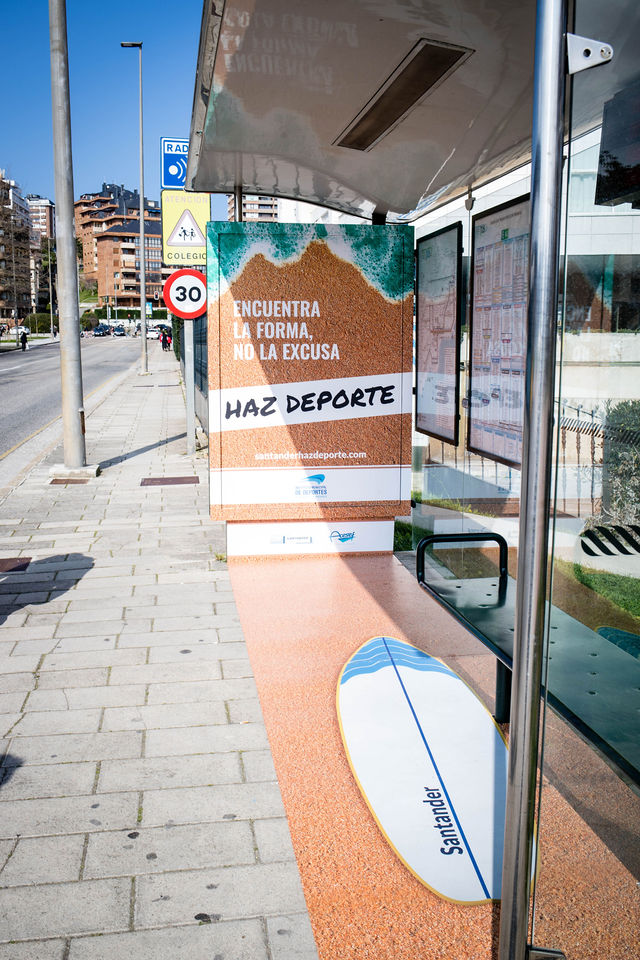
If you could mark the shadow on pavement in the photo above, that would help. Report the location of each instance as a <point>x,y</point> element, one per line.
<point>41,581</point>
<point>136,453</point>
<point>8,766</point>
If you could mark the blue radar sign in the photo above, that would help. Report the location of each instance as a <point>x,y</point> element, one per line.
<point>173,163</point>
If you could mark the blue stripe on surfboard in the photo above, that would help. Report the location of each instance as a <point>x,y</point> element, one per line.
<point>374,656</point>
<point>435,767</point>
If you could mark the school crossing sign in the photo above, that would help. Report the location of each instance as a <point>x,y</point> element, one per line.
<point>184,227</point>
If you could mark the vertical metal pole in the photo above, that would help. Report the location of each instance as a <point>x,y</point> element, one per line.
<point>70,362</point>
<point>237,197</point>
<point>546,175</point>
<point>189,385</point>
<point>50,290</point>
<point>144,362</point>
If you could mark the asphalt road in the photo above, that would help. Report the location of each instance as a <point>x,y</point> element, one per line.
<point>30,395</point>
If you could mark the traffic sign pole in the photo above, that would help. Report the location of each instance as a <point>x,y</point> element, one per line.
<point>190,386</point>
<point>185,295</point>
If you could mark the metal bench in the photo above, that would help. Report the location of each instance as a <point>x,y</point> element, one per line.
<point>592,682</point>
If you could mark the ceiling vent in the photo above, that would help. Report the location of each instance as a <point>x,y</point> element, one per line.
<point>424,67</point>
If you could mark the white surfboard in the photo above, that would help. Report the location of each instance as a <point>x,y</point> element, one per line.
<point>431,764</point>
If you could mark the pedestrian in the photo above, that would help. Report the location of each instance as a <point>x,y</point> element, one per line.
<point>169,341</point>
<point>23,340</point>
<point>165,340</point>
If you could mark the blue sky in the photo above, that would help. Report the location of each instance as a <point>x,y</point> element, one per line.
<point>103,80</point>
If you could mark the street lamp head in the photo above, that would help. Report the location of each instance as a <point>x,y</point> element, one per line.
<point>131,44</point>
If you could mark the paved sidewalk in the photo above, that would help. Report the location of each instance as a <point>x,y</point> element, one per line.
<point>140,815</point>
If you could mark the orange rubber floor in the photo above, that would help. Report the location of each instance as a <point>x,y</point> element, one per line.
<point>303,619</point>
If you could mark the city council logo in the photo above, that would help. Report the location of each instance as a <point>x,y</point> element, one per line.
<point>311,486</point>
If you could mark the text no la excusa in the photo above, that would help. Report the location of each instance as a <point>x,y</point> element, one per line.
<point>294,333</point>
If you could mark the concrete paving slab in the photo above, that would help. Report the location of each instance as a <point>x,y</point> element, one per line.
<point>258,766</point>
<point>19,665</point>
<point>51,722</point>
<point>35,648</point>
<point>207,739</point>
<point>44,860</point>
<point>92,658</point>
<point>80,746</point>
<point>239,801</point>
<point>7,723</point>
<point>291,938</point>
<point>150,773</point>
<point>234,669</point>
<point>45,700</point>
<point>274,840</point>
<point>57,679</point>
<point>35,950</point>
<point>97,612</point>
<point>199,651</point>
<point>198,690</point>
<point>64,909</point>
<point>119,696</point>
<point>45,817</point>
<point>12,702</point>
<point>245,711</point>
<point>165,716</point>
<point>165,673</point>
<point>166,638</point>
<point>88,628</point>
<point>239,940</point>
<point>85,644</point>
<point>227,894</point>
<point>47,780</point>
<point>158,849</point>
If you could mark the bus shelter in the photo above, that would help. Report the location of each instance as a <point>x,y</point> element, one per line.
<point>502,434</point>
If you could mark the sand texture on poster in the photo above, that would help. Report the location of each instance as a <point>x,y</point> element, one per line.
<point>312,323</point>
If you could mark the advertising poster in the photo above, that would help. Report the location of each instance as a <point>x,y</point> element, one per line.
<point>438,307</point>
<point>310,342</point>
<point>500,276</point>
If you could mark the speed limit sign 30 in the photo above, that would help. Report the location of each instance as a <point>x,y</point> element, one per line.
<point>185,294</point>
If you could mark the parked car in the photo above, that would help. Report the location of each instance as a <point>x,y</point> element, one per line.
<point>118,332</point>
<point>153,334</point>
<point>102,330</point>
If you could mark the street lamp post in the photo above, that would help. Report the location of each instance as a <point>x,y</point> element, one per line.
<point>144,365</point>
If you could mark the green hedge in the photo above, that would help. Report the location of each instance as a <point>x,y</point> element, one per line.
<point>39,322</point>
<point>176,334</point>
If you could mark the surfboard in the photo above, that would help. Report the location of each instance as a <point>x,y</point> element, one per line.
<point>431,764</point>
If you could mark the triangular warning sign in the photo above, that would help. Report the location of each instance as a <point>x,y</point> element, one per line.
<point>186,232</point>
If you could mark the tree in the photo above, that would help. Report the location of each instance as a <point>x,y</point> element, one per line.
<point>48,259</point>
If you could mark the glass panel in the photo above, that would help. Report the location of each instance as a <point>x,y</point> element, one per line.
<point>586,900</point>
<point>456,491</point>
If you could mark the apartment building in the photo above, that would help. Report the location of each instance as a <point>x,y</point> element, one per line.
<point>264,209</point>
<point>117,268</point>
<point>15,272</point>
<point>97,213</point>
<point>42,213</point>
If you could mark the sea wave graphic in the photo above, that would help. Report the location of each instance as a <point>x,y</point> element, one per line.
<point>384,652</point>
<point>379,256</point>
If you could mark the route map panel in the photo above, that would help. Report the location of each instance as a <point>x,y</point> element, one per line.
<point>498,332</point>
<point>439,283</point>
